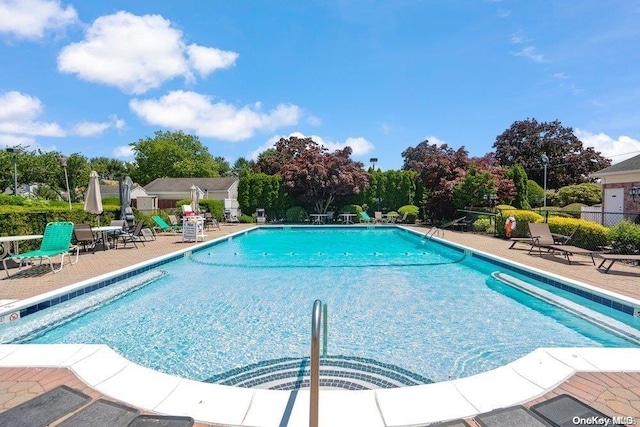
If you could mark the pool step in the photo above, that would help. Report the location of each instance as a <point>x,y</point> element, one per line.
<point>336,372</point>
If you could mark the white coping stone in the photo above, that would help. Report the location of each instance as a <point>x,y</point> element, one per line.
<point>612,359</point>
<point>6,350</point>
<point>40,355</point>
<point>542,369</point>
<point>83,352</point>
<point>423,403</point>
<point>99,366</point>
<point>139,386</point>
<point>497,388</point>
<point>210,402</point>
<point>268,408</point>
<point>336,408</point>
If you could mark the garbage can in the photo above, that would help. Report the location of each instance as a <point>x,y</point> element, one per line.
<point>260,218</point>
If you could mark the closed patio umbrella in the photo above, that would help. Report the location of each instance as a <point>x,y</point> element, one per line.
<point>125,203</point>
<point>196,193</point>
<point>93,198</point>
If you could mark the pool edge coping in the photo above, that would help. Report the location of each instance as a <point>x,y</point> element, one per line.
<point>518,382</point>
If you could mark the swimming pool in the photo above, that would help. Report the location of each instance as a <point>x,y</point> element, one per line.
<point>393,297</point>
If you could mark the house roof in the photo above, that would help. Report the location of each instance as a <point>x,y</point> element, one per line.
<point>184,184</point>
<point>112,190</point>
<point>629,165</point>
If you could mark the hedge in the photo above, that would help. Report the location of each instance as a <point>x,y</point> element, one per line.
<point>523,218</point>
<point>411,211</point>
<point>590,235</point>
<point>625,238</point>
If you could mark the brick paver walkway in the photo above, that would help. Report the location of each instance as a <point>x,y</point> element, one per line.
<point>611,393</point>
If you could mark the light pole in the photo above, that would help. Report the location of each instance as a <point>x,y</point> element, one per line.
<point>63,163</point>
<point>373,161</point>
<point>545,163</point>
<point>15,170</point>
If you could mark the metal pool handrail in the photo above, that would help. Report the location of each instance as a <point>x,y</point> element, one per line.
<point>314,372</point>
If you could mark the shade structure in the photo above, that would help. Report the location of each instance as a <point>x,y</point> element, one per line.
<point>93,197</point>
<point>196,194</point>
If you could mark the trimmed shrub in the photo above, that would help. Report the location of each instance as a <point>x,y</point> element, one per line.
<point>573,210</point>
<point>412,213</point>
<point>523,218</point>
<point>590,235</point>
<point>247,219</point>
<point>483,225</point>
<point>625,238</point>
<point>295,214</point>
<point>505,208</point>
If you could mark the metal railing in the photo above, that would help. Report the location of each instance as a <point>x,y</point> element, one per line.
<point>318,319</point>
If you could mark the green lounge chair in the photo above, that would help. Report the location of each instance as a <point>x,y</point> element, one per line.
<point>163,226</point>
<point>364,217</point>
<point>55,241</point>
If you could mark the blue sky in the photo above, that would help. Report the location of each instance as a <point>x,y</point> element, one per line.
<point>91,77</point>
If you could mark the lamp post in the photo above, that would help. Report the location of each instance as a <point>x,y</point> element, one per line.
<point>545,163</point>
<point>63,163</point>
<point>15,170</point>
<point>373,161</point>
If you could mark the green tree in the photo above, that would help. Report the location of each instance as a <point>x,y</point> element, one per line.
<point>474,188</point>
<point>242,167</point>
<point>110,168</point>
<point>526,141</point>
<point>224,168</point>
<point>535,193</point>
<point>519,177</point>
<point>172,155</point>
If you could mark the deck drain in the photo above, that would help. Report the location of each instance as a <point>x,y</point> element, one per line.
<point>340,372</point>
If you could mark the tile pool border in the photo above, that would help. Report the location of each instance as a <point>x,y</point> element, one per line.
<point>624,304</point>
<point>621,303</point>
<point>114,376</point>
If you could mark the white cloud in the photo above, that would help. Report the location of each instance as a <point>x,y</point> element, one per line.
<point>435,140</point>
<point>617,150</point>
<point>123,151</point>
<point>137,53</point>
<point>359,145</point>
<point>207,59</point>
<point>313,120</point>
<point>191,111</point>
<point>97,128</point>
<point>13,140</point>
<point>31,19</point>
<point>531,53</point>
<point>18,113</point>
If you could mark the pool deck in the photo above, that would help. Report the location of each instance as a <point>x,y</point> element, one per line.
<point>607,379</point>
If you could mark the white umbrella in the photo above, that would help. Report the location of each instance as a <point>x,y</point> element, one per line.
<point>196,194</point>
<point>93,198</point>
<point>125,210</point>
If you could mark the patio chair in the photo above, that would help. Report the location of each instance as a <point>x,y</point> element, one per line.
<point>210,221</point>
<point>364,217</point>
<point>163,226</point>
<point>377,216</point>
<point>540,236</point>
<point>130,236</point>
<point>404,218</point>
<point>55,241</point>
<point>83,235</point>
<point>616,257</point>
<point>173,220</point>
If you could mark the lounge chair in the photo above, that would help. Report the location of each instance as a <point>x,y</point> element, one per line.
<point>130,236</point>
<point>163,226</point>
<point>540,236</point>
<point>55,241</point>
<point>377,216</point>
<point>174,221</point>
<point>451,223</point>
<point>84,236</point>
<point>616,257</point>
<point>364,217</point>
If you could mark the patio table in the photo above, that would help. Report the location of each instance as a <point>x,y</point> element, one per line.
<point>6,241</point>
<point>347,218</point>
<point>104,231</point>
<point>319,218</point>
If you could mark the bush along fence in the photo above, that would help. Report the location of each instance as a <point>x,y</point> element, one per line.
<point>624,237</point>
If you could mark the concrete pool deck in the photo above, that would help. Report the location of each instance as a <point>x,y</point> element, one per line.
<point>607,379</point>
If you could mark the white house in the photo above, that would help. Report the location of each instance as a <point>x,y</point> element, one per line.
<point>621,190</point>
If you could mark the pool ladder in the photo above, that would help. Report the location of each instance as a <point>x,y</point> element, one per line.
<point>432,232</point>
<point>318,320</point>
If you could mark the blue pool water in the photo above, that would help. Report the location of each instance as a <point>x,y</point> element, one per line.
<point>392,296</point>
